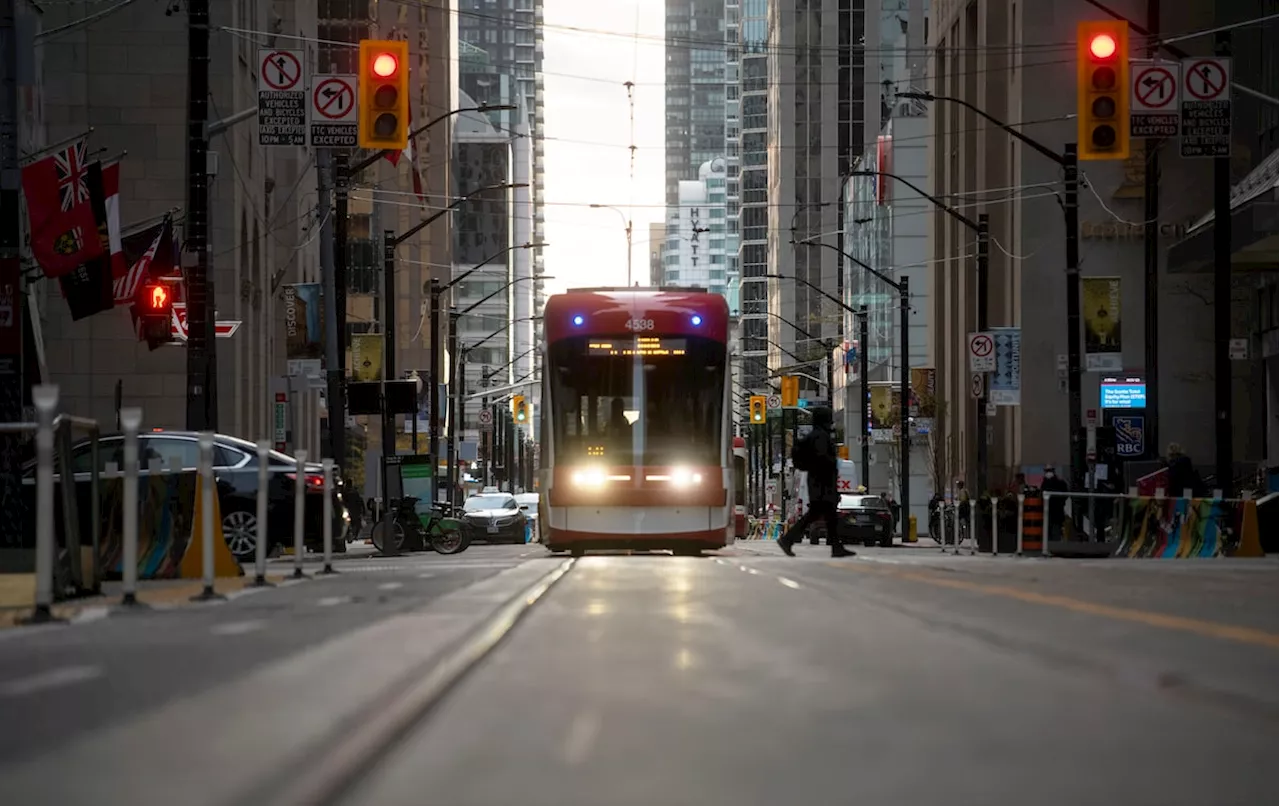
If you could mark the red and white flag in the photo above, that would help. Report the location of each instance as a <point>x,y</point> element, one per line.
<point>64,229</point>
<point>111,201</point>
<point>410,155</point>
<point>145,254</point>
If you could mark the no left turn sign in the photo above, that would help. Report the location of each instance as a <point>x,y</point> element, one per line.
<point>981,353</point>
<point>334,99</point>
<point>1155,89</point>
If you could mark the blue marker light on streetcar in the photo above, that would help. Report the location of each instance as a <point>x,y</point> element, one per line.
<point>578,320</point>
<point>696,320</point>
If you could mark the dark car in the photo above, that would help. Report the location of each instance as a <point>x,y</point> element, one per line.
<point>235,464</point>
<point>866,519</point>
<point>493,517</point>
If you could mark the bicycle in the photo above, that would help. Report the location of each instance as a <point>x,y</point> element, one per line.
<point>431,529</point>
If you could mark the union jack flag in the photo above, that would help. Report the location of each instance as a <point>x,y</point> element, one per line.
<point>73,189</point>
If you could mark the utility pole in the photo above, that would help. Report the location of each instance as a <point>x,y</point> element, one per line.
<point>11,334</point>
<point>329,284</point>
<point>864,368</point>
<point>904,408</point>
<point>1071,213</point>
<point>629,280</point>
<point>1151,258</point>
<point>433,385</point>
<point>202,402</point>
<point>455,407</point>
<point>1225,453</point>
<point>389,457</point>
<point>984,282</point>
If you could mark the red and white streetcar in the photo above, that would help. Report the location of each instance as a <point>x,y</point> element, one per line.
<point>636,438</point>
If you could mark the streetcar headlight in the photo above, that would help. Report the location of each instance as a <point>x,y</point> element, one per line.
<point>684,477</point>
<point>588,477</point>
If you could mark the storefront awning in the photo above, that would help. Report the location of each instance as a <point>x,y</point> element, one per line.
<point>1253,227</point>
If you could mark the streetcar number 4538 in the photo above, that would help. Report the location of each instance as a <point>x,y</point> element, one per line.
<point>639,324</point>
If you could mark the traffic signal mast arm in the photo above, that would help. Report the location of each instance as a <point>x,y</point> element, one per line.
<point>1025,139</point>
<point>431,219</point>
<point>380,154</point>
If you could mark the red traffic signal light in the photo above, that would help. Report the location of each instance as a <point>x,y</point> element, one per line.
<point>384,65</point>
<point>157,298</point>
<point>1102,89</point>
<point>1103,46</point>
<point>383,98</point>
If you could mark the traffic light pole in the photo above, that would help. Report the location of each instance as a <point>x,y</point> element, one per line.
<point>984,282</point>
<point>1225,453</point>
<point>864,369</point>
<point>13,507</point>
<point>328,280</point>
<point>455,409</point>
<point>388,373</point>
<point>202,407</point>
<point>433,385</point>
<point>337,366</point>
<point>1071,212</point>
<point>1151,259</point>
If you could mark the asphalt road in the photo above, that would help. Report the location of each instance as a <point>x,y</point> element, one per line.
<point>58,683</point>
<point>893,678</point>
<point>898,676</point>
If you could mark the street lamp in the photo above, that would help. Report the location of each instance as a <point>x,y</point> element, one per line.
<point>336,326</point>
<point>982,229</point>
<point>626,219</point>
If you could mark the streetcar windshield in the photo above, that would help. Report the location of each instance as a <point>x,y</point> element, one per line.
<point>637,400</point>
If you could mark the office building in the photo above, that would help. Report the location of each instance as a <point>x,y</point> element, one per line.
<point>696,253</point>
<point>977,55</point>
<point>814,131</point>
<point>657,242</point>
<point>753,194</point>
<point>695,88</point>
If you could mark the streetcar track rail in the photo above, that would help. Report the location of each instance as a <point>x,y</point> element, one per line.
<point>354,751</point>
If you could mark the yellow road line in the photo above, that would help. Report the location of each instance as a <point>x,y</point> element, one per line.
<point>1211,629</point>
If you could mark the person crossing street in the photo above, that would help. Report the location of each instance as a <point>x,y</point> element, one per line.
<point>815,455</point>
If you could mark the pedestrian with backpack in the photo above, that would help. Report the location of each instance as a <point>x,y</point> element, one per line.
<point>815,455</point>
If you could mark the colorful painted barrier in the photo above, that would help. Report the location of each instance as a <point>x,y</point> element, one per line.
<point>1176,528</point>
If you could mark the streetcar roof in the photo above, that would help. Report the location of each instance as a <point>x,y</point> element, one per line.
<point>619,311</point>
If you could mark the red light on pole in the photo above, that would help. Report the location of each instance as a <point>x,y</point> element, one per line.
<point>1102,46</point>
<point>384,65</point>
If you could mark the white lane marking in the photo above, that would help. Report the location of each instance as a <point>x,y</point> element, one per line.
<point>720,561</point>
<point>244,592</point>
<point>237,627</point>
<point>91,614</point>
<point>583,731</point>
<point>425,576</point>
<point>55,678</point>
<point>748,569</point>
<point>331,601</point>
<point>790,583</point>
<point>390,586</point>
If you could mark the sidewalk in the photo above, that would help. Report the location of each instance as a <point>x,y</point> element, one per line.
<point>17,595</point>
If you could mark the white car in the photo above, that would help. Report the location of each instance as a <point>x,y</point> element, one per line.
<point>529,506</point>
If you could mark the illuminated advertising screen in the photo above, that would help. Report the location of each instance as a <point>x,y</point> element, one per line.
<point>1123,392</point>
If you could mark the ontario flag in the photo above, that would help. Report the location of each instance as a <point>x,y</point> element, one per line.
<point>410,154</point>
<point>87,287</point>
<point>60,211</point>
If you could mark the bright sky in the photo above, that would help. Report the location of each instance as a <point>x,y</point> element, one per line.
<point>588,130</point>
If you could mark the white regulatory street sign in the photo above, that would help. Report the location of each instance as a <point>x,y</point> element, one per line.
<point>1206,107</point>
<point>773,402</point>
<point>982,353</point>
<point>282,98</point>
<point>334,116</point>
<point>977,385</point>
<point>1153,98</point>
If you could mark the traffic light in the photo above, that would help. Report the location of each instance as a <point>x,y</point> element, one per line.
<point>757,405</point>
<point>1102,89</point>
<point>154,306</point>
<point>520,409</point>
<point>384,94</point>
<point>790,391</point>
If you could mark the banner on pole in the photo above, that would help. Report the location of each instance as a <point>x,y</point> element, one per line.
<point>1101,309</point>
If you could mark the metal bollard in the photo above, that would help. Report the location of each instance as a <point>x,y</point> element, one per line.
<point>955,527</point>
<point>207,492</point>
<point>995,527</point>
<point>45,399</point>
<point>261,535</point>
<point>1021,499</point>
<point>1048,526</point>
<point>973,531</point>
<point>130,422</point>
<point>327,464</point>
<point>299,513</point>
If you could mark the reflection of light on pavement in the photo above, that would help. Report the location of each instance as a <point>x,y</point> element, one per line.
<point>684,659</point>
<point>597,608</point>
<point>679,586</point>
<point>680,613</point>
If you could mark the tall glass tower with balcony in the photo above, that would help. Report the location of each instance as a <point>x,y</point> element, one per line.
<point>753,190</point>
